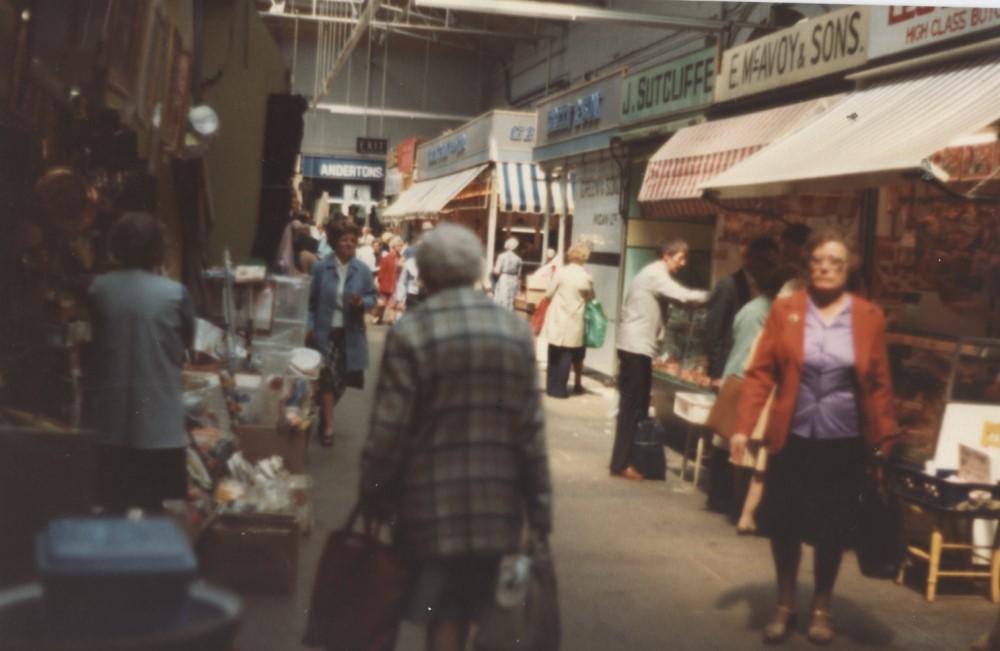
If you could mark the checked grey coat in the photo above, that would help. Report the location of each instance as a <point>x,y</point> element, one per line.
<point>456,449</point>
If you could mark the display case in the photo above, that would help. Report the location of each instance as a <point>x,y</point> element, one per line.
<point>683,356</point>
<point>930,373</point>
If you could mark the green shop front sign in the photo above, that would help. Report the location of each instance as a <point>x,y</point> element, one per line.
<point>680,85</point>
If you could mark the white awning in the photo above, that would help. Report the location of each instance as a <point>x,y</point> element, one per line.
<point>430,197</point>
<point>521,188</point>
<point>698,153</point>
<point>874,136</point>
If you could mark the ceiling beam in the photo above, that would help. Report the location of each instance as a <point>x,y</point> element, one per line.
<point>395,26</point>
<point>580,13</point>
<point>353,109</point>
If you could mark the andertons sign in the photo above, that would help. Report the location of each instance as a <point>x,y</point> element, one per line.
<point>820,46</point>
<point>679,85</point>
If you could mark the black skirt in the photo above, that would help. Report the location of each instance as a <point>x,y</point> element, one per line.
<point>812,491</point>
<point>334,377</point>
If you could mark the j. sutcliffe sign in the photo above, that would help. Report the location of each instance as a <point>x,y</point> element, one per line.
<point>680,85</point>
<point>814,48</point>
<point>899,28</point>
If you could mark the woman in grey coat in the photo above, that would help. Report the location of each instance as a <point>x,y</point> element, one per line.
<point>143,322</point>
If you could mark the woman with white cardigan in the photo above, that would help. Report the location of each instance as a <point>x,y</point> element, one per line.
<point>568,293</point>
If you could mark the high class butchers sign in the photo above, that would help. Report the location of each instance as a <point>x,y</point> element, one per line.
<point>900,27</point>
<point>831,43</point>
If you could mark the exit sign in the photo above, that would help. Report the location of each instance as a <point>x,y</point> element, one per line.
<point>372,146</point>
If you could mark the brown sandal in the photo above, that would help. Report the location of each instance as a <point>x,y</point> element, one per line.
<point>820,628</point>
<point>782,623</point>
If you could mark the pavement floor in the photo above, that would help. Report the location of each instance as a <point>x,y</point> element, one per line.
<point>641,566</point>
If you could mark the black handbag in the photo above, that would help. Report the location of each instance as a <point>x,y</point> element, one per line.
<point>881,541</point>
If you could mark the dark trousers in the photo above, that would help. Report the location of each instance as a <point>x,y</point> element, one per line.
<point>635,377</point>
<point>557,372</point>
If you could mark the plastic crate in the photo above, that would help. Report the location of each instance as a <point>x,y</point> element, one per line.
<point>113,573</point>
<point>292,299</point>
<point>935,490</point>
<point>693,407</point>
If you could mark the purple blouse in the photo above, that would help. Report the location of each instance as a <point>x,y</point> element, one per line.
<point>827,407</point>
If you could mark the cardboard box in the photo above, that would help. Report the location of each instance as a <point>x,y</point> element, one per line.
<point>253,552</point>
<point>258,442</point>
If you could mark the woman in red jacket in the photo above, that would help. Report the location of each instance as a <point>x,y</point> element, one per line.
<point>824,349</point>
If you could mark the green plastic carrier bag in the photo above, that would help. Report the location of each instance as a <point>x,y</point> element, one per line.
<point>595,325</point>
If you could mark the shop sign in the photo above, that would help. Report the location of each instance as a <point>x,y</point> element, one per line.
<point>497,135</point>
<point>576,115</point>
<point>680,85</point>
<point>596,214</point>
<point>371,146</point>
<point>342,169</point>
<point>406,153</point>
<point>590,109</point>
<point>899,28</point>
<point>831,43</point>
<point>443,150</point>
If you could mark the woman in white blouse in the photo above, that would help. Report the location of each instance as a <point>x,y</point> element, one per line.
<point>568,293</point>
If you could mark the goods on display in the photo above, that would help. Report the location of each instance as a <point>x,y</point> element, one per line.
<point>936,260</point>
<point>683,354</point>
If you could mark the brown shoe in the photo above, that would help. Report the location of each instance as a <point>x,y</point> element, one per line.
<point>782,623</point>
<point>820,628</point>
<point>629,473</point>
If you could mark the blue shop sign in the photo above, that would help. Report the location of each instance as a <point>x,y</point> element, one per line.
<point>442,151</point>
<point>576,115</point>
<point>343,169</point>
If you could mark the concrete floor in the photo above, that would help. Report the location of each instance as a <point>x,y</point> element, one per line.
<point>640,566</point>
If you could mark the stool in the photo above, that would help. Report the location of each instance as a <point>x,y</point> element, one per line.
<point>692,432</point>
<point>937,544</point>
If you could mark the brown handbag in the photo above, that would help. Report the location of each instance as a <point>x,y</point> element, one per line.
<point>356,600</point>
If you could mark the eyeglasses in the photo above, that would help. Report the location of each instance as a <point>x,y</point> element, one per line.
<point>829,260</point>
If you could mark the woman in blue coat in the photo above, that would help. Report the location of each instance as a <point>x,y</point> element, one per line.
<point>342,291</point>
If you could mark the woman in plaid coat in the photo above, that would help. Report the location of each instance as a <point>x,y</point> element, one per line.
<point>456,453</point>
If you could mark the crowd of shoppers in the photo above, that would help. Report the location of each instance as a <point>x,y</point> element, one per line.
<point>455,455</point>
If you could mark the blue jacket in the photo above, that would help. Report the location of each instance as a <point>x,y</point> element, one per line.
<point>322,298</point>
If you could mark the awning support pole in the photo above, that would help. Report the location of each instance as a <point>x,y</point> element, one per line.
<point>491,222</point>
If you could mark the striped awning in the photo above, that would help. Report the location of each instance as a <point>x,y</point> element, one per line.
<point>879,134</point>
<point>521,187</point>
<point>427,198</point>
<point>696,154</point>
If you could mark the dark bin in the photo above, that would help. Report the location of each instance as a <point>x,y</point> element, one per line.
<point>113,575</point>
<point>210,624</point>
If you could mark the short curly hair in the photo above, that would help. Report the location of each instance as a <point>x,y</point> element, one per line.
<point>579,252</point>
<point>137,241</point>
<point>340,226</point>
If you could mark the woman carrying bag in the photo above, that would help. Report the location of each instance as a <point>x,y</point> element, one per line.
<point>824,351</point>
<point>568,293</point>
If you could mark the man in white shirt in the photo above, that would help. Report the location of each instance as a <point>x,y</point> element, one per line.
<point>643,315</point>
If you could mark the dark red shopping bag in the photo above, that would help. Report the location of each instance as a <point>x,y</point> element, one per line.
<point>538,316</point>
<point>358,590</point>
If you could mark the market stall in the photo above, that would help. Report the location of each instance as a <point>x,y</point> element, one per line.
<point>481,175</point>
<point>672,204</point>
<point>920,138</point>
